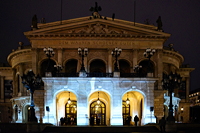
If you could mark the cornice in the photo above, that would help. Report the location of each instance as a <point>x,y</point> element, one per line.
<point>42,36</point>
<point>187,69</point>
<point>173,54</point>
<point>16,53</point>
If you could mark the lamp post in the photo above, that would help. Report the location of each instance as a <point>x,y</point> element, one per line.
<point>170,82</point>
<point>148,54</point>
<point>82,53</point>
<point>137,69</point>
<point>116,53</point>
<point>58,68</point>
<point>31,82</point>
<point>127,100</point>
<point>49,53</point>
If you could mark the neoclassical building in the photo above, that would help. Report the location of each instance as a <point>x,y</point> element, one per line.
<point>109,76</point>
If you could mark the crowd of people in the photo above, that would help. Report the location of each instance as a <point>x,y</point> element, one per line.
<point>67,121</point>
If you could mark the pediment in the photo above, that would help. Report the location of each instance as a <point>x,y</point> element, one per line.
<point>87,27</point>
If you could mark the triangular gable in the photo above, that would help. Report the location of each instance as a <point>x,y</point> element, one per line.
<point>92,27</point>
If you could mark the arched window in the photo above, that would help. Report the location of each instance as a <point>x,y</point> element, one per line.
<point>71,67</point>
<point>47,66</point>
<point>71,112</point>
<point>147,66</point>
<point>124,68</point>
<point>125,112</point>
<point>97,68</point>
<point>98,111</point>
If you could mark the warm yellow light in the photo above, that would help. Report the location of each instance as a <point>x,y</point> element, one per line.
<point>69,101</point>
<point>127,101</point>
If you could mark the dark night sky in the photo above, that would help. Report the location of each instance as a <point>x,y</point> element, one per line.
<point>181,18</point>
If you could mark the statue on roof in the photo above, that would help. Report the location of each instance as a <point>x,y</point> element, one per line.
<point>96,10</point>
<point>34,22</point>
<point>159,23</point>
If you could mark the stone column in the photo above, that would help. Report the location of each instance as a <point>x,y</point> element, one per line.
<point>22,91</point>
<point>159,71</point>
<point>2,89</point>
<point>82,105</point>
<point>86,64</point>
<point>187,88</point>
<point>109,67</point>
<point>150,117</point>
<point>116,105</point>
<point>14,83</point>
<point>35,55</point>
<point>135,58</point>
<point>60,56</point>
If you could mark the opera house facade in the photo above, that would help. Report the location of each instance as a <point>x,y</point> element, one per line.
<point>99,67</point>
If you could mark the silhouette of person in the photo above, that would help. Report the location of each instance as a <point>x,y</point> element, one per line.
<point>162,123</point>
<point>136,119</point>
<point>92,120</point>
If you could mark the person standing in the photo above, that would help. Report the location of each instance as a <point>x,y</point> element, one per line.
<point>136,119</point>
<point>162,123</point>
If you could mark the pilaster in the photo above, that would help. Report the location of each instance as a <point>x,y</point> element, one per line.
<point>109,68</point>
<point>2,89</point>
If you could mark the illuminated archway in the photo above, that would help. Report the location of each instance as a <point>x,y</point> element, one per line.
<point>135,106</point>
<point>64,108</point>
<point>104,106</point>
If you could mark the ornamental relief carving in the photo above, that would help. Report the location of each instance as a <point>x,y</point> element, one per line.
<point>97,29</point>
<point>98,55</point>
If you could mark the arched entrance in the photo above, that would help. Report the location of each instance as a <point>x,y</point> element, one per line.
<point>66,103</point>
<point>98,113</point>
<point>132,104</point>
<point>125,112</point>
<point>71,113</point>
<point>101,109</point>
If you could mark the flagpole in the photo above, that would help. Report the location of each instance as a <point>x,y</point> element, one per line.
<point>61,13</point>
<point>134,11</point>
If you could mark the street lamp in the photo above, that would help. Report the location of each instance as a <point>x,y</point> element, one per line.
<point>170,82</point>
<point>31,82</point>
<point>98,101</point>
<point>116,53</point>
<point>148,54</point>
<point>49,53</point>
<point>127,100</point>
<point>137,69</point>
<point>58,68</point>
<point>82,53</point>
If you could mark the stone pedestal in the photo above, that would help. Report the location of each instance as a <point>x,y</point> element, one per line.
<point>82,74</point>
<point>116,74</point>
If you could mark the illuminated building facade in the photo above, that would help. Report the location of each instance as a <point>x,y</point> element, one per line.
<point>98,58</point>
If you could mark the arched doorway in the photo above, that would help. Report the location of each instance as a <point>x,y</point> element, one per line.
<point>134,106</point>
<point>47,66</point>
<point>125,112</point>
<point>147,67</point>
<point>71,113</point>
<point>66,107</point>
<point>97,68</point>
<point>98,113</point>
<point>124,68</point>
<point>71,68</point>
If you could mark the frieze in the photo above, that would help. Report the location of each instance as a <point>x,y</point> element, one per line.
<point>96,43</point>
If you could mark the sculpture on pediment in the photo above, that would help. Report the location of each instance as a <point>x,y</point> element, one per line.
<point>34,22</point>
<point>159,23</point>
<point>97,29</point>
<point>95,11</point>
